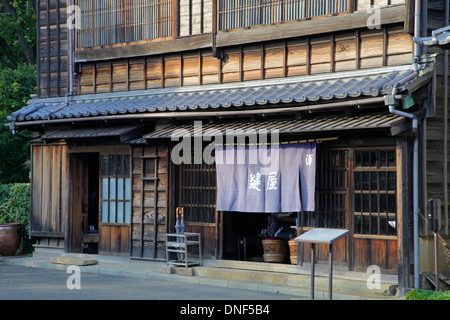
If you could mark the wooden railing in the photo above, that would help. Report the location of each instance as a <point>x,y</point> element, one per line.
<point>235,14</point>
<point>108,22</point>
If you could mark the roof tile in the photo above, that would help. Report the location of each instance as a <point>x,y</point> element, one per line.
<point>335,86</point>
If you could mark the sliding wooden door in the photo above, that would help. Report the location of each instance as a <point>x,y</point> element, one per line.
<point>115,203</point>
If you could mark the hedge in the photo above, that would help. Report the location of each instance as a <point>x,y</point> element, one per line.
<point>15,208</point>
<point>420,294</point>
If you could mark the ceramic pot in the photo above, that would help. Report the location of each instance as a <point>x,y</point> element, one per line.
<point>10,238</point>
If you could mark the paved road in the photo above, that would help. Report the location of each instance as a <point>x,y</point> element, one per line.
<point>23,283</point>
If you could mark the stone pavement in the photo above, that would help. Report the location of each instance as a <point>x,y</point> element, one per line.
<point>263,277</point>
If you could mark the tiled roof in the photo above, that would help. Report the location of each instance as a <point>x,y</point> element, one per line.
<point>439,37</point>
<point>305,89</point>
<point>324,123</point>
<point>125,132</point>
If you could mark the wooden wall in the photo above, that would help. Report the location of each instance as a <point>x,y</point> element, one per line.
<point>342,51</point>
<point>49,190</point>
<point>114,239</point>
<point>435,134</point>
<point>308,55</point>
<point>380,252</point>
<point>149,203</point>
<point>195,17</point>
<point>340,252</point>
<point>366,252</point>
<point>52,61</point>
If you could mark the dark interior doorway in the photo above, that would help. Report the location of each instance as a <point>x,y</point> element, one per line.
<point>91,245</point>
<point>243,234</point>
<point>85,202</point>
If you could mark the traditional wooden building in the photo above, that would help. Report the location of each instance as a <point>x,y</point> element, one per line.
<point>117,79</point>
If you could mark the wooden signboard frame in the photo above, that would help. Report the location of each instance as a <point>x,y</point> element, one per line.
<point>324,236</point>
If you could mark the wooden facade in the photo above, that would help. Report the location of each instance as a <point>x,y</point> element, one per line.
<point>192,61</point>
<point>52,52</point>
<point>50,197</point>
<point>113,196</point>
<point>304,56</point>
<point>150,169</point>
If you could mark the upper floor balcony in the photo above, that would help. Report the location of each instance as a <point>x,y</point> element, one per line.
<point>161,43</point>
<point>236,14</point>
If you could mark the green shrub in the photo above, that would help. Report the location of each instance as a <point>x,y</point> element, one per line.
<point>420,294</point>
<point>15,208</point>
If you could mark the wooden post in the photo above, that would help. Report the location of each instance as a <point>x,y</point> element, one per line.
<point>330,273</point>
<point>436,261</point>
<point>155,205</point>
<point>313,247</point>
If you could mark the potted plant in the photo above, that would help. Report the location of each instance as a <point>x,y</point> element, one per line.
<point>14,215</point>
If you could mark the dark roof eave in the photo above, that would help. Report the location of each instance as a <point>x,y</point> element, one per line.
<point>209,114</point>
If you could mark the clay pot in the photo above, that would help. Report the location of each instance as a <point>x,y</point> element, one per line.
<point>10,238</point>
<point>273,249</point>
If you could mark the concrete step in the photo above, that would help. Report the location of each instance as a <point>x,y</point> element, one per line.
<point>293,277</point>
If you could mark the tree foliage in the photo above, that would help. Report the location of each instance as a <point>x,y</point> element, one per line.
<point>17,82</point>
<point>16,87</point>
<point>17,33</point>
<point>15,208</point>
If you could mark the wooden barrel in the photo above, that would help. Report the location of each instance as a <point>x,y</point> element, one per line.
<point>293,251</point>
<point>273,249</point>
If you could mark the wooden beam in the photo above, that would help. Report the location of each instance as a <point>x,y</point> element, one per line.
<point>144,49</point>
<point>44,234</point>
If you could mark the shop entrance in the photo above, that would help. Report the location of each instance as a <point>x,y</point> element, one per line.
<point>84,202</point>
<point>355,190</point>
<point>243,234</point>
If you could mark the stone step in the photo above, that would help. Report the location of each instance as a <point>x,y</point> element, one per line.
<point>73,261</point>
<point>343,282</point>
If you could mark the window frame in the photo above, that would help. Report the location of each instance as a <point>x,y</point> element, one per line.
<point>389,191</point>
<point>121,215</point>
<point>107,25</point>
<point>197,181</point>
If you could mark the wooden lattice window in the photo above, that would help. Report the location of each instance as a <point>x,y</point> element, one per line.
<point>235,14</point>
<point>331,190</point>
<point>197,193</point>
<point>375,180</point>
<point>109,22</point>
